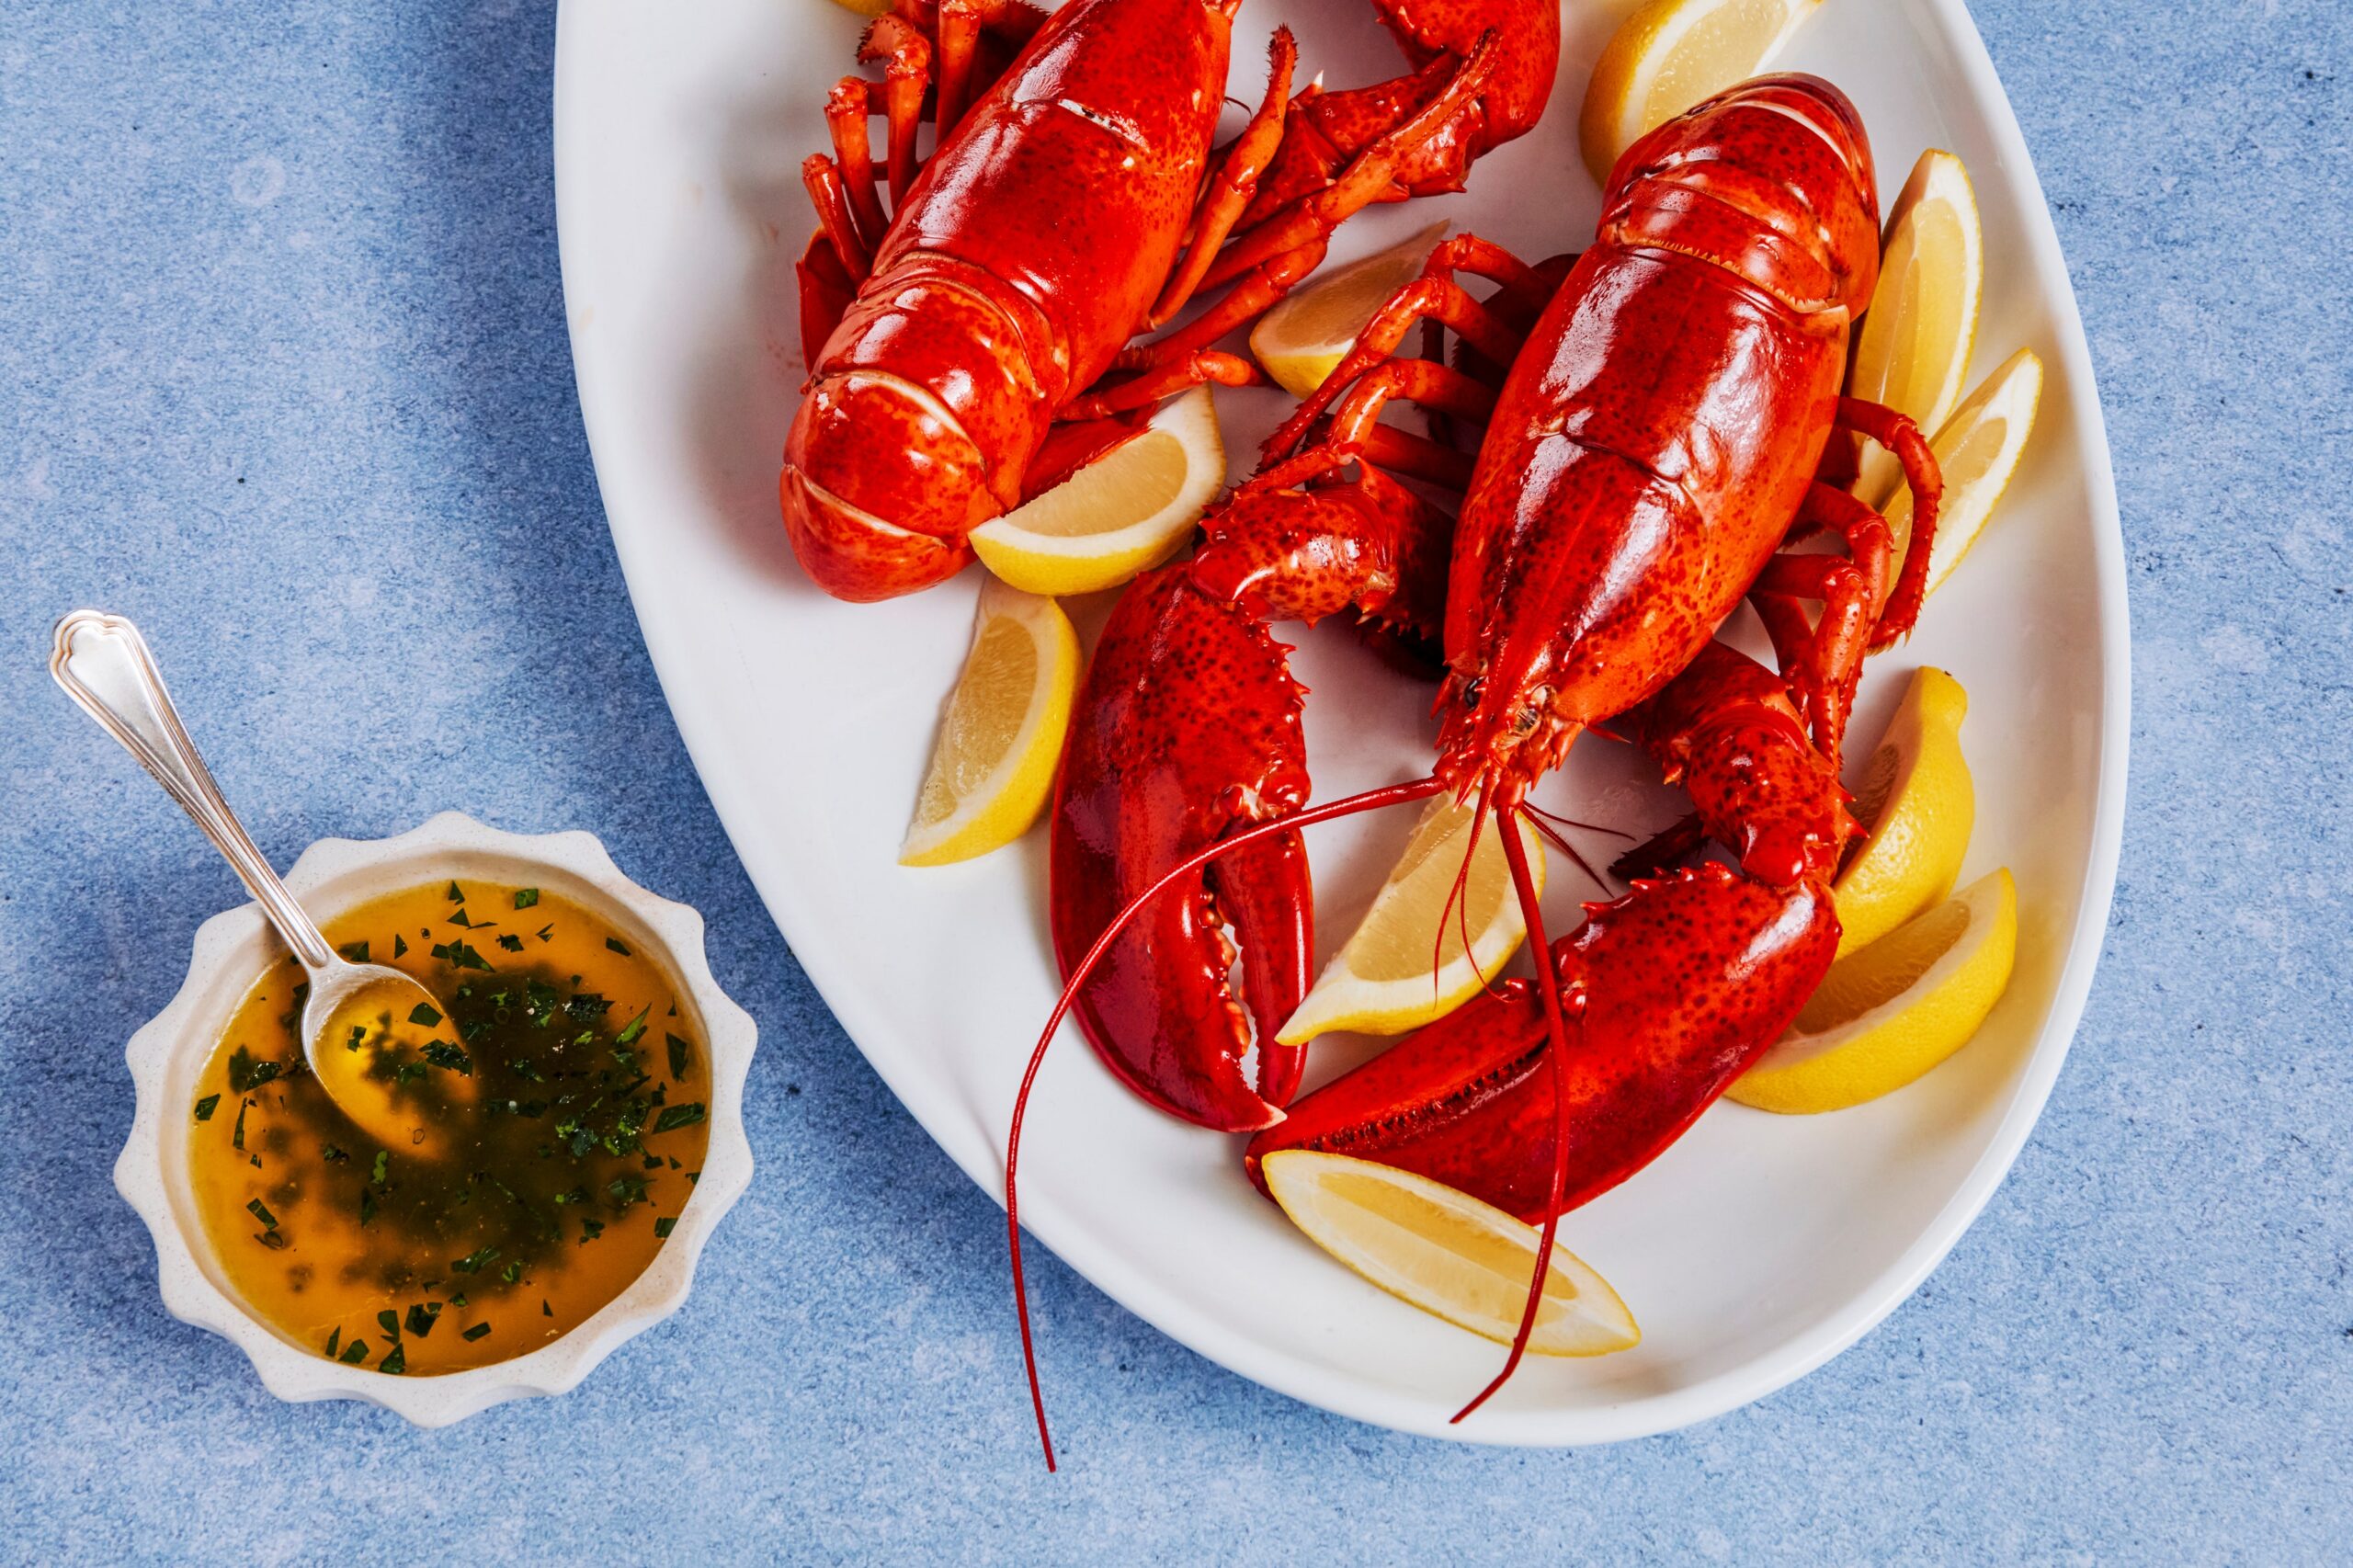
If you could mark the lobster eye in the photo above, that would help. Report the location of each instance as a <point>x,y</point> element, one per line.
<point>1475,691</point>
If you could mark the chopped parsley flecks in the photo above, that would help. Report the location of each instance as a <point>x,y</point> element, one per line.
<point>534,1088</point>
<point>677,1116</point>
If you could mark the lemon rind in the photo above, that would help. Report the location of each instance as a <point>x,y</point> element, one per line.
<point>2016,388</point>
<point>1868,909</point>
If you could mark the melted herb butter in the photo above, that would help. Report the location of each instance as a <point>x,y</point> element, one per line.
<point>521,1205</point>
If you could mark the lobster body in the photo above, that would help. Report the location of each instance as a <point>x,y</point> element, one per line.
<point>991,302</point>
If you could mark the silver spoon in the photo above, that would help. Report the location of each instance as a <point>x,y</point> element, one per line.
<point>104,666</point>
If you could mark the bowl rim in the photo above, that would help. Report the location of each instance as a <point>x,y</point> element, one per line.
<point>190,1022</point>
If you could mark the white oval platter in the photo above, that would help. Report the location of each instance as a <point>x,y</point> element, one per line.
<point>1755,1250</point>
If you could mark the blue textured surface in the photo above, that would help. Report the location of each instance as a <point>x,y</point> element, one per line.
<point>280,338</point>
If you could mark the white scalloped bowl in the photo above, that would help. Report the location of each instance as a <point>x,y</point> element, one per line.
<point>168,1055</point>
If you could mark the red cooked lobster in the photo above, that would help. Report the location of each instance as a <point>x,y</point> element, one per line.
<point>1655,422</point>
<point>958,348</point>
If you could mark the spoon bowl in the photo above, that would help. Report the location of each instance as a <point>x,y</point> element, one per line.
<point>360,1022</point>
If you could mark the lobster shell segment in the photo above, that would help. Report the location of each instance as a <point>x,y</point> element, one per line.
<point>1684,981</point>
<point>1188,726</point>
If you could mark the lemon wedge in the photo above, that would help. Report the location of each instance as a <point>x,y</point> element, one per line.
<point>1671,54</point>
<point>1001,733</point>
<point>1886,1015</point>
<point>1447,1252</point>
<point>864,7</point>
<point>1912,353</point>
<point>1978,450</point>
<point>1126,511</point>
<point>1917,803</point>
<point>1303,339</point>
<point>1379,983</point>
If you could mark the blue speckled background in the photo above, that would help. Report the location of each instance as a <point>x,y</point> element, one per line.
<point>286,378</point>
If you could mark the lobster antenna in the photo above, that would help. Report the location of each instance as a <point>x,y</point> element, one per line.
<point>1556,1021</point>
<point>1552,836</point>
<point>1559,842</point>
<point>1458,906</point>
<point>1370,799</point>
<point>1462,911</point>
<point>1571,822</point>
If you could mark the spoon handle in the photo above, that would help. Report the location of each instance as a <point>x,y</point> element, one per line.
<point>104,664</point>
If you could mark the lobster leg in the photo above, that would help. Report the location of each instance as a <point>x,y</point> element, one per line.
<point>1141,392</point>
<point>1417,457</point>
<point>1367,177</point>
<point>905,57</point>
<point>1230,189</point>
<point>847,110</point>
<point>824,182</point>
<point>1248,298</point>
<point>1824,663</point>
<point>1437,300</point>
<point>959,37</point>
<point>826,291</point>
<point>1899,436</point>
<point>1275,260</point>
<point>1424,382</point>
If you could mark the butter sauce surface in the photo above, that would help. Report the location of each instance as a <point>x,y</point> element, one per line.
<point>559,1122</point>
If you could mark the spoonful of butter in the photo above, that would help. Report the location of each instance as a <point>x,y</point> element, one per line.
<point>357,1019</point>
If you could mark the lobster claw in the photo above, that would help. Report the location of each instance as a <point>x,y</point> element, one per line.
<point>1187,727</point>
<point>1683,982</point>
